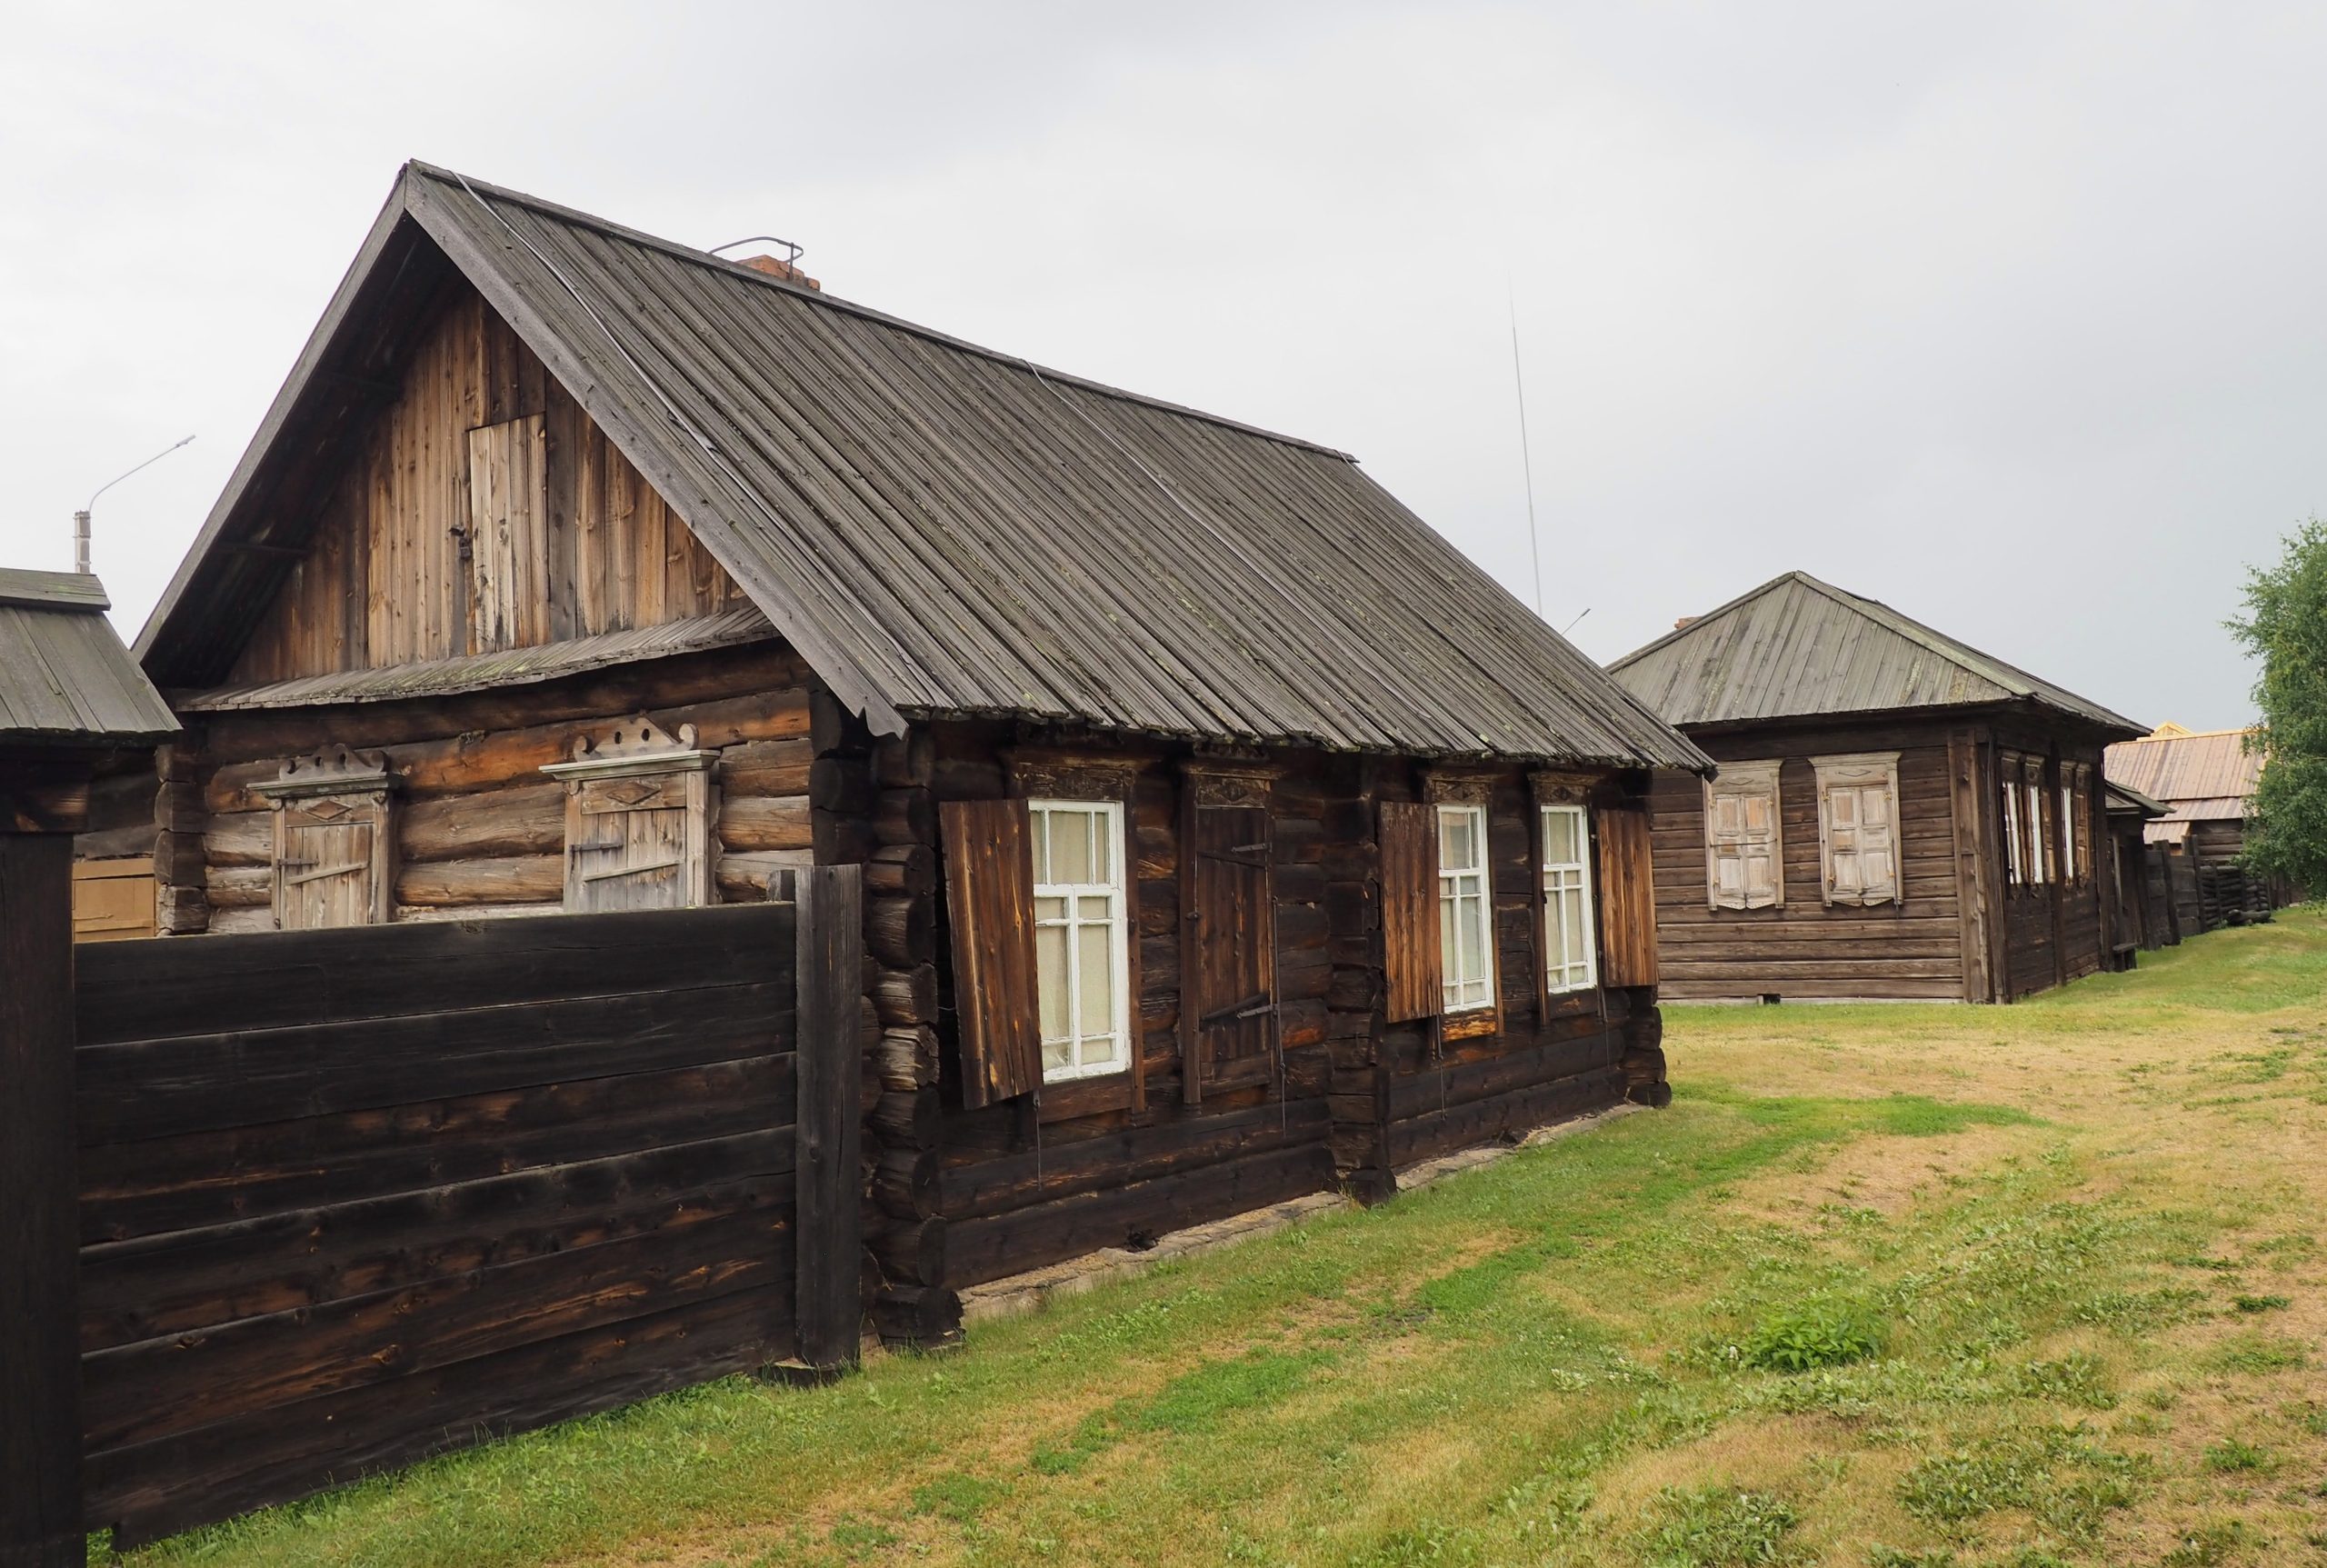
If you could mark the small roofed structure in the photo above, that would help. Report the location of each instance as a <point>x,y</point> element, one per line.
<point>70,696</point>
<point>2204,779</point>
<point>1896,814</point>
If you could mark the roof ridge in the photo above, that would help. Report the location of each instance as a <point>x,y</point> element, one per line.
<point>673,248</point>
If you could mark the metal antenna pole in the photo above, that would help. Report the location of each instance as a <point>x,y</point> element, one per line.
<point>1526,458</point>
<point>81,518</point>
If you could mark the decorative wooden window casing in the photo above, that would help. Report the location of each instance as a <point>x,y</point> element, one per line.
<point>1465,910</point>
<point>1744,837</point>
<point>1229,1023</point>
<point>333,840</point>
<point>1571,956</point>
<point>1858,828</point>
<point>1082,966</point>
<point>2076,823</point>
<point>639,804</point>
<point>2036,818</point>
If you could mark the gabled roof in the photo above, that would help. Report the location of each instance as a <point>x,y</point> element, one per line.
<point>64,677</point>
<point>1796,647</point>
<point>941,530</point>
<point>2201,776</point>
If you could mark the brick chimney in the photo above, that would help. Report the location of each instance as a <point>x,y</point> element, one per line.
<point>1684,622</point>
<point>776,266</point>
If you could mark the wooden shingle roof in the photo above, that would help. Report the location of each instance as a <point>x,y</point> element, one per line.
<point>64,676</point>
<point>1796,647</point>
<point>945,531</point>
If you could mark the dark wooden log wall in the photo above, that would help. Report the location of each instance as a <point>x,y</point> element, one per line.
<point>478,828</point>
<point>391,571</point>
<point>2054,933</point>
<point>349,1197</point>
<point>1804,947</point>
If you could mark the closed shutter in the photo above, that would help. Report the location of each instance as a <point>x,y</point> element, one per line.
<point>626,844</point>
<point>990,910</point>
<point>1229,958</point>
<point>508,536</point>
<point>325,866</point>
<point>1742,844</point>
<point>1410,910</point>
<point>1858,827</point>
<point>1627,899</point>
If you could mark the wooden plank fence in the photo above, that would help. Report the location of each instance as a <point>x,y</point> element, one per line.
<point>350,1197</point>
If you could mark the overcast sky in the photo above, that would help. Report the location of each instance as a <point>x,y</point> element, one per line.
<point>2009,315</point>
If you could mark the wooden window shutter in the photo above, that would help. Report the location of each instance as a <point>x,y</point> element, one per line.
<point>990,909</point>
<point>1627,899</point>
<point>638,811</point>
<point>1415,981</point>
<point>508,536</point>
<point>1228,1013</point>
<point>333,840</point>
<point>1858,827</point>
<point>1743,839</point>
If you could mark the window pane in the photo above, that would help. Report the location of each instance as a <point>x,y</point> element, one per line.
<point>1474,936</point>
<point>1454,841</point>
<point>1070,847</point>
<point>1096,977</point>
<point>1450,963</point>
<point>1051,977</point>
<point>1101,848</point>
<point>1095,907</point>
<point>1572,924</point>
<point>1056,1054</point>
<point>1040,837</point>
<point>1100,1052</point>
<point>1050,909</point>
<point>1559,837</point>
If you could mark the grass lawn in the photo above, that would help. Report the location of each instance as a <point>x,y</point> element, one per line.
<point>1898,1286</point>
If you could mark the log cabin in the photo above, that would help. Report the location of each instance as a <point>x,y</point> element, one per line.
<point>1227,835</point>
<point>1896,815</point>
<point>2205,779</point>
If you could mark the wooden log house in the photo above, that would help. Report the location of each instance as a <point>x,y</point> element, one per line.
<point>2206,781</point>
<point>1226,832</point>
<point>1896,815</point>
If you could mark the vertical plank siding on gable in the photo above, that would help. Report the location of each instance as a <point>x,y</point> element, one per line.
<point>568,540</point>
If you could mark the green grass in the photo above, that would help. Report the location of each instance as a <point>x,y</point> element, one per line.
<point>1893,1285</point>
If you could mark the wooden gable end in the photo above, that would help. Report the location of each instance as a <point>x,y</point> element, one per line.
<point>477,508</point>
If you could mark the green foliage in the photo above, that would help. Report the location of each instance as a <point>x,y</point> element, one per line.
<point>2207,1545</point>
<point>2285,625</point>
<point>1715,1527</point>
<point>2255,1353</point>
<point>2231,1455</point>
<point>2247,1304</point>
<point>1809,1338</point>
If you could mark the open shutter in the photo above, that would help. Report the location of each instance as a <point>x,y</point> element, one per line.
<point>990,909</point>
<point>1416,983</point>
<point>1627,900</point>
<point>626,844</point>
<point>1229,1018</point>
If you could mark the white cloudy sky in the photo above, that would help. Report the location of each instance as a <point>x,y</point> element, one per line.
<point>2008,314</point>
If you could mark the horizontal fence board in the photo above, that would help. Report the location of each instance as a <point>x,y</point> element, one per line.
<point>210,1178</point>
<point>226,984</point>
<point>155,1088</point>
<point>215,1472</point>
<point>191,1280</point>
<point>152,1389</point>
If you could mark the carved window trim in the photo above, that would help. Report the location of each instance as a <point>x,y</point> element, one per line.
<point>641,752</point>
<point>1747,781</point>
<point>336,788</point>
<point>1853,775</point>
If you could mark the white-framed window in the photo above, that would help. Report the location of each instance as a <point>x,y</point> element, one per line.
<point>2015,846</point>
<point>1465,923</point>
<point>1568,951</point>
<point>1858,827</point>
<point>1081,940</point>
<point>2040,838</point>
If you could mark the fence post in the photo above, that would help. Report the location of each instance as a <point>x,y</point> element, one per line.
<point>828,1178</point>
<point>40,1337</point>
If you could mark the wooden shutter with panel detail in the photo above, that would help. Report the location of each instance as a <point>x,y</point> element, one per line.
<point>1744,864</point>
<point>1627,899</point>
<point>1415,979</point>
<point>990,913</point>
<point>639,802</point>
<point>1858,827</point>
<point>1228,1015</point>
<point>331,840</point>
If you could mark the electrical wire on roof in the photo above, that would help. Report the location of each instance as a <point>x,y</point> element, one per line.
<point>1526,457</point>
